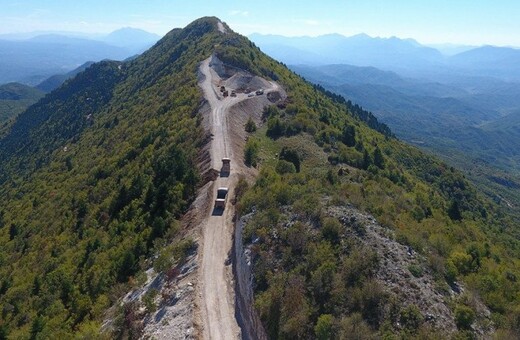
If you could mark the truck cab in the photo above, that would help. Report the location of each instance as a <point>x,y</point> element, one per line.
<point>226,167</point>
<point>220,201</point>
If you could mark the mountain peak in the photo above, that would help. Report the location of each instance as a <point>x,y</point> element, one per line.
<point>208,24</point>
<point>128,36</point>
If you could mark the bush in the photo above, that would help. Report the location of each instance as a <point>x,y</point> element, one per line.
<point>149,300</point>
<point>275,128</point>
<point>415,270</point>
<point>250,126</point>
<point>464,317</point>
<point>411,318</point>
<point>181,249</point>
<point>462,261</point>
<point>164,261</point>
<point>331,230</point>
<point>290,156</point>
<point>251,153</point>
<point>284,167</point>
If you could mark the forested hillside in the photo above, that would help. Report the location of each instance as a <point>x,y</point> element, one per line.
<point>317,276</point>
<point>15,98</point>
<point>96,176</point>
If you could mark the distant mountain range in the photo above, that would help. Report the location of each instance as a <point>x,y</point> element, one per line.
<point>55,81</point>
<point>405,56</point>
<point>31,58</point>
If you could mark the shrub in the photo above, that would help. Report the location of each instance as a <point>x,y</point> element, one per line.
<point>250,126</point>
<point>164,261</point>
<point>464,317</point>
<point>462,261</point>
<point>284,167</point>
<point>290,156</point>
<point>251,153</point>
<point>149,300</point>
<point>411,318</point>
<point>331,230</point>
<point>415,270</point>
<point>181,249</point>
<point>275,128</point>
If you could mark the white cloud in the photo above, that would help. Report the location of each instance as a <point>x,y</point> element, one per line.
<point>239,13</point>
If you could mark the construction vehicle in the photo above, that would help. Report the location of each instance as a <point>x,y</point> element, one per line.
<point>260,92</point>
<point>233,93</point>
<point>226,166</point>
<point>220,202</point>
<point>225,93</point>
<point>222,88</point>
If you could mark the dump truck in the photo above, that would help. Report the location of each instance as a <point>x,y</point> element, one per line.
<point>260,92</point>
<point>220,202</point>
<point>226,166</point>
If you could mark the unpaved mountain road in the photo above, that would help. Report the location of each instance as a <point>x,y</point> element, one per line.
<point>216,278</point>
<point>216,283</point>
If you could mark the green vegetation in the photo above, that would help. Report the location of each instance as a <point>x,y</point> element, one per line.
<point>93,180</point>
<point>311,280</point>
<point>250,126</point>
<point>95,177</point>
<point>14,99</point>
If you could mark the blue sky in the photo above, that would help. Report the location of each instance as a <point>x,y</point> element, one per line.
<point>429,21</point>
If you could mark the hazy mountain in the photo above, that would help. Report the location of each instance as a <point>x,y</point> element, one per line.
<point>404,56</point>
<point>360,50</point>
<point>32,60</point>
<point>55,81</point>
<point>498,62</point>
<point>451,49</point>
<point>132,38</point>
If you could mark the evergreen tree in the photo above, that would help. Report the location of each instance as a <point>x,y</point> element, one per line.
<point>454,211</point>
<point>367,160</point>
<point>379,160</point>
<point>348,136</point>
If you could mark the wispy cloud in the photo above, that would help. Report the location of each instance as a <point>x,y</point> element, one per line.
<point>239,13</point>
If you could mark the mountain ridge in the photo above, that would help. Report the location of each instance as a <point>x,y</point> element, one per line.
<point>99,173</point>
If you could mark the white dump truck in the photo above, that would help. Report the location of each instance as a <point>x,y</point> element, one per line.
<point>220,202</point>
<point>226,166</point>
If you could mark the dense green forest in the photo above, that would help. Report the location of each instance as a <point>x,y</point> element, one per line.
<point>15,98</point>
<point>317,151</point>
<point>95,177</point>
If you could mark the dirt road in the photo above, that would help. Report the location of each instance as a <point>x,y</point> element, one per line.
<point>217,300</point>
